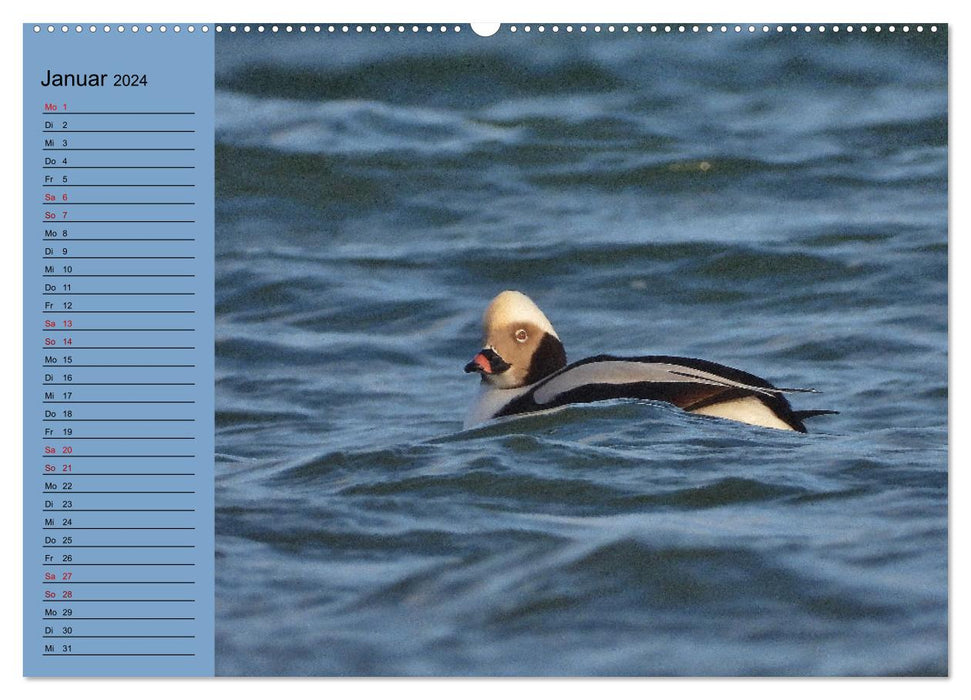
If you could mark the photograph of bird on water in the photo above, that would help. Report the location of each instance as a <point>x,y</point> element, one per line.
<point>426,242</point>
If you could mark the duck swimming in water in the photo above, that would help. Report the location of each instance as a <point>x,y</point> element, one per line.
<point>524,369</point>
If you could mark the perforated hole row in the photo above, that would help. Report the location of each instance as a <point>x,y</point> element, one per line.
<point>121,28</point>
<point>341,28</point>
<point>718,28</point>
<point>514,28</point>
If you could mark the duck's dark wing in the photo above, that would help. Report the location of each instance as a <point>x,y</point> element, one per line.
<point>693,385</point>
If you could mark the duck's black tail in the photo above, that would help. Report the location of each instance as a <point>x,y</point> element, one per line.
<point>809,414</point>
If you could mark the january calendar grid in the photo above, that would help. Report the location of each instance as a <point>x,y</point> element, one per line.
<point>256,260</point>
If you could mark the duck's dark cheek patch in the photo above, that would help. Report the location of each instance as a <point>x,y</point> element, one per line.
<point>548,358</point>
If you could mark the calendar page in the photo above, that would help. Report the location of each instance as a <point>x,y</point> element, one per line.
<point>535,349</point>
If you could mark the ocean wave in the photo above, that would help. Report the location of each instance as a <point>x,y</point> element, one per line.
<point>349,127</point>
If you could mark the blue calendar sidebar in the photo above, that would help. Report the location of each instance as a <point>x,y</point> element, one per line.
<point>118,350</point>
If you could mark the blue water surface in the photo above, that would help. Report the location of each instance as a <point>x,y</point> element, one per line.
<point>773,202</point>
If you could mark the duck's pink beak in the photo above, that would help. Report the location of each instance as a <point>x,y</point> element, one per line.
<point>488,361</point>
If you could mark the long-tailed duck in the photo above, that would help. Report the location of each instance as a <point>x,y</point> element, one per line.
<point>524,369</point>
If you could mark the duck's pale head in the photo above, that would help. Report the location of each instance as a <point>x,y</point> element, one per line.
<point>519,345</point>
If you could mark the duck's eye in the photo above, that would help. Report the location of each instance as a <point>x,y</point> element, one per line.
<point>521,335</point>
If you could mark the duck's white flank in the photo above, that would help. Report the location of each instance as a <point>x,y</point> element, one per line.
<point>748,409</point>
